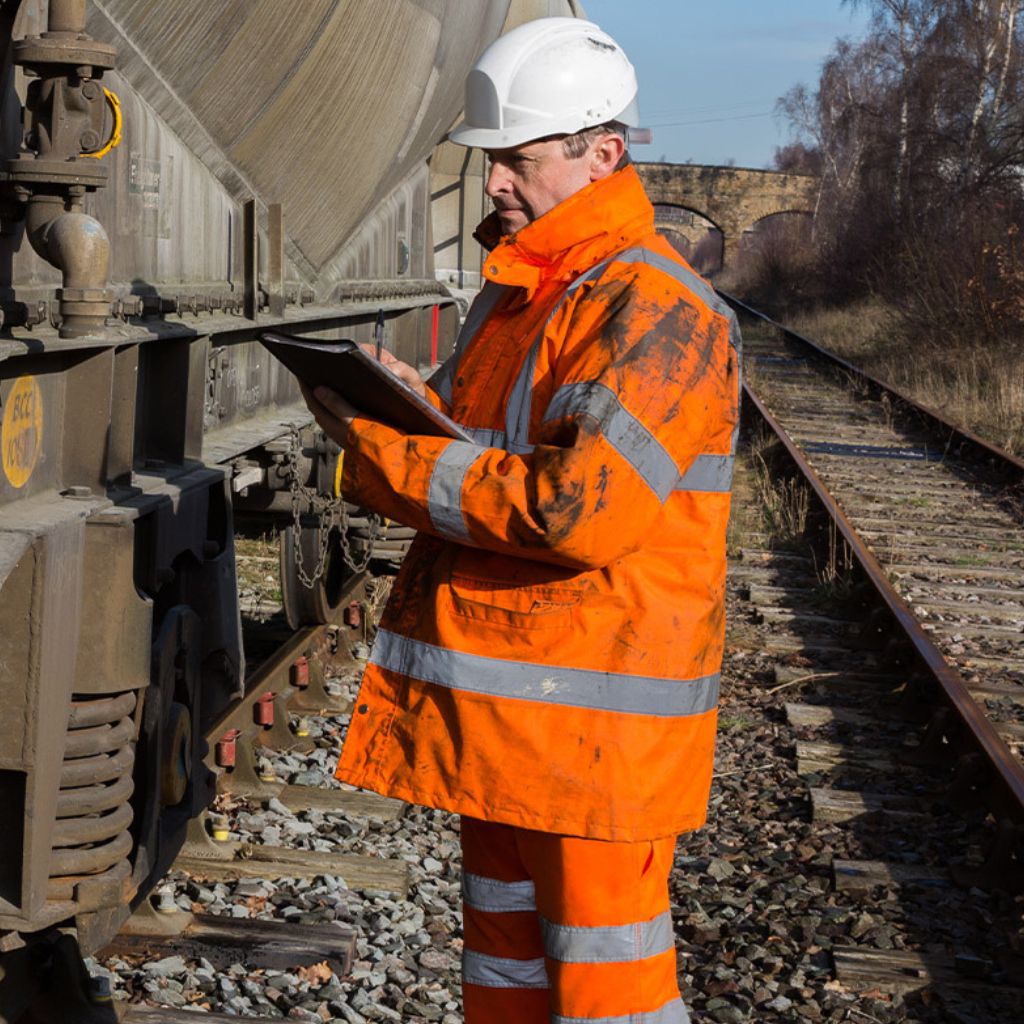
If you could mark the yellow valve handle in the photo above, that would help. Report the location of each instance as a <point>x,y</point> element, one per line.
<point>115,135</point>
<point>337,473</point>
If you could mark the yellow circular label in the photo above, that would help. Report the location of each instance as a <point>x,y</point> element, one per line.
<point>21,437</point>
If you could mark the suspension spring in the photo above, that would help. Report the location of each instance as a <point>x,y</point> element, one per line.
<point>94,811</point>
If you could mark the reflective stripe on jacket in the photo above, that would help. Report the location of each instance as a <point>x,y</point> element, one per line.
<point>550,654</point>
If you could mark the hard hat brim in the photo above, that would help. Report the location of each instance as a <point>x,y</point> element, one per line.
<point>498,138</point>
<point>517,135</point>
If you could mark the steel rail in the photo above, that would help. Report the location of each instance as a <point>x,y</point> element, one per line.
<point>1007,462</point>
<point>273,673</point>
<point>980,732</point>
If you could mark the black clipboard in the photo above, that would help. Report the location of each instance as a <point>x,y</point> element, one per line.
<point>370,386</point>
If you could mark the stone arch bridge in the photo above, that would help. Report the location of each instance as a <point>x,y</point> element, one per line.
<point>733,199</point>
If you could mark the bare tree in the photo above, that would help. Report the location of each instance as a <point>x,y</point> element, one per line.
<point>797,158</point>
<point>920,131</point>
<point>901,32</point>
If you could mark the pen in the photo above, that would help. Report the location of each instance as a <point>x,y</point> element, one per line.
<point>378,333</point>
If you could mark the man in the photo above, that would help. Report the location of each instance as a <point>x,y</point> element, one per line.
<point>548,663</point>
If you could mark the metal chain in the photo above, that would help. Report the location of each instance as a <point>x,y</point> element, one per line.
<point>331,514</point>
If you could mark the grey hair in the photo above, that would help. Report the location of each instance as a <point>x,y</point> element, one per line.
<point>576,145</point>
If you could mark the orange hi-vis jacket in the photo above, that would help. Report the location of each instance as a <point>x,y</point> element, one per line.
<point>550,654</point>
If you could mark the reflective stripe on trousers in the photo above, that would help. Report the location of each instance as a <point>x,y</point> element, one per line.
<point>502,971</point>
<point>497,897</point>
<point>608,945</point>
<point>524,964</point>
<point>673,1012</point>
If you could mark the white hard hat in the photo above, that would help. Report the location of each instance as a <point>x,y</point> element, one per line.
<point>551,76</point>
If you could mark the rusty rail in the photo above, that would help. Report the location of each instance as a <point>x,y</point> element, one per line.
<point>970,445</point>
<point>976,730</point>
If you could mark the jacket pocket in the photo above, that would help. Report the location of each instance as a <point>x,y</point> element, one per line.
<point>514,606</point>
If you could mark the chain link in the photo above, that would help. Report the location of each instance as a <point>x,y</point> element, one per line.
<point>331,515</point>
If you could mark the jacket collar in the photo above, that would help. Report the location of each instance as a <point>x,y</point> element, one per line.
<point>579,232</point>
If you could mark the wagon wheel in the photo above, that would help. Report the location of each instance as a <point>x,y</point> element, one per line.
<point>310,606</point>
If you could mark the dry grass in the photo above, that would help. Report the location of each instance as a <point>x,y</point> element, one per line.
<point>855,331</point>
<point>257,562</point>
<point>784,502</point>
<point>981,387</point>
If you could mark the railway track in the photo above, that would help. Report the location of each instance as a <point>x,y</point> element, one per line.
<point>932,517</point>
<point>873,914</point>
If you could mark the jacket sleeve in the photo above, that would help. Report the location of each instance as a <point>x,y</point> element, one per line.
<point>439,386</point>
<point>644,386</point>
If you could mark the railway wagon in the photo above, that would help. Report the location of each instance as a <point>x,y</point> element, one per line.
<point>174,178</point>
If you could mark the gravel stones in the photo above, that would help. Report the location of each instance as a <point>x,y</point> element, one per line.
<point>165,968</point>
<point>407,950</point>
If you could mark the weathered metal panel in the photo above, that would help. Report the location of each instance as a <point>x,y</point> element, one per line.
<point>114,648</point>
<point>325,106</point>
<point>41,545</point>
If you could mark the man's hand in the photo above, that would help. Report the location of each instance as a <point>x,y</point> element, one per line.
<point>335,415</point>
<point>331,411</point>
<point>401,370</point>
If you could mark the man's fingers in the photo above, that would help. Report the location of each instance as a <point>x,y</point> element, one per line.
<point>328,409</point>
<point>403,371</point>
<point>335,404</point>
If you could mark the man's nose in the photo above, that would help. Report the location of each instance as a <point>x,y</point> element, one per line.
<point>497,180</point>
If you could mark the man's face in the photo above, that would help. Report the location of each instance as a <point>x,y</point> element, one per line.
<point>528,180</point>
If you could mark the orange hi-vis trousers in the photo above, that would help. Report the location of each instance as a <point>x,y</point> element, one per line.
<point>562,930</point>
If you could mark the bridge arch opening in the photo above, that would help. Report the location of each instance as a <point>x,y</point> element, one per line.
<point>801,219</point>
<point>694,235</point>
<point>775,253</point>
<point>791,230</point>
<point>732,198</point>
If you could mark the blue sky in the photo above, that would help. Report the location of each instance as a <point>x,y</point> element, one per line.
<point>719,66</point>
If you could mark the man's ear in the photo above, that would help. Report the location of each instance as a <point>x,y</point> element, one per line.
<point>605,156</point>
